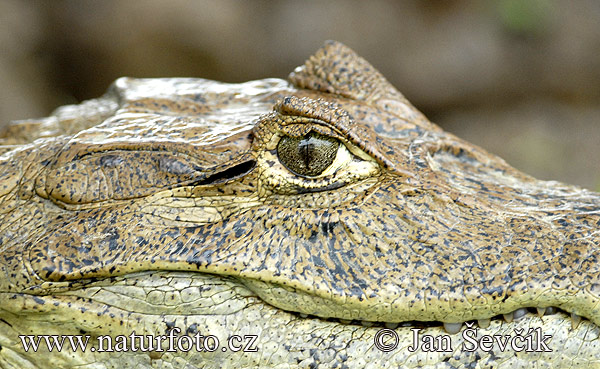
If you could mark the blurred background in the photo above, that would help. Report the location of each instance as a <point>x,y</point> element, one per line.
<point>520,78</point>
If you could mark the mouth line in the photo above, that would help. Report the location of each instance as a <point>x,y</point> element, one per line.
<point>208,280</point>
<point>453,328</point>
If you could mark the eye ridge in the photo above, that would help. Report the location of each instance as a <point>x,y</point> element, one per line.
<point>309,155</point>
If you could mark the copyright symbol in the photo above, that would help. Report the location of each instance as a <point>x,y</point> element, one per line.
<point>382,340</point>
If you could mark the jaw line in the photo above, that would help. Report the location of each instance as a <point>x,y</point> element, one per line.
<point>164,286</point>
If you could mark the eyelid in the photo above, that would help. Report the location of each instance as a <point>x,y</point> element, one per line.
<point>304,128</point>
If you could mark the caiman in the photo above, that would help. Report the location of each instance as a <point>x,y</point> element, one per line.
<point>318,222</point>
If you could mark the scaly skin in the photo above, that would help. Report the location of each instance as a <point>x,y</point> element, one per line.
<point>168,204</point>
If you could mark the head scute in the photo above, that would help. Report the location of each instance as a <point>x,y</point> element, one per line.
<point>337,69</point>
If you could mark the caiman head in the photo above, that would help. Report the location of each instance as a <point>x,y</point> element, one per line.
<point>312,214</point>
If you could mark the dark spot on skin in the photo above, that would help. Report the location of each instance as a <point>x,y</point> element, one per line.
<point>39,300</point>
<point>192,329</point>
<point>240,230</point>
<point>170,326</point>
<point>111,161</point>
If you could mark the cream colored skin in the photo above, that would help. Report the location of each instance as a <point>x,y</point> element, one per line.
<point>48,289</point>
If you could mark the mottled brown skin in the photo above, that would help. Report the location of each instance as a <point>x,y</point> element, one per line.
<point>178,184</point>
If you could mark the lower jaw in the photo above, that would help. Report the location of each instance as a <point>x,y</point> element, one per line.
<point>281,338</point>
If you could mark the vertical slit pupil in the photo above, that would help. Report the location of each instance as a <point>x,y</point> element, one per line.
<point>305,146</point>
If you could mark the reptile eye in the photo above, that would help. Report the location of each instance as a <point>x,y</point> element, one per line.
<point>307,156</point>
